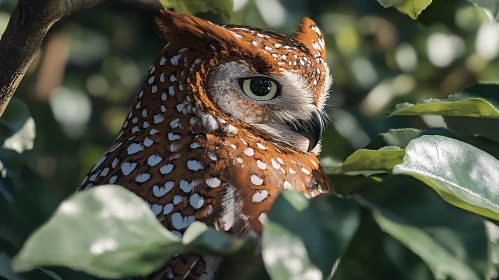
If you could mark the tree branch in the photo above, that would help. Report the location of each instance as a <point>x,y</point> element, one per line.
<point>25,32</point>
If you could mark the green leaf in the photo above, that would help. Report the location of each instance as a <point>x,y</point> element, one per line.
<point>111,233</point>
<point>491,6</point>
<point>437,257</point>
<point>410,7</point>
<point>463,175</point>
<point>368,162</point>
<point>478,101</point>
<point>473,126</point>
<point>17,127</point>
<point>401,137</point>
<point>311,247</point>
<point>222,7</point>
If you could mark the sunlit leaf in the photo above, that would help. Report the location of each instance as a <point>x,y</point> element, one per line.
<point>222,7</point>
<point>111,233</point>
<point>307,249</point>
<point>437,257</point>
<point>479,101</point>
<point>410,7</point>
<point>463,175</point>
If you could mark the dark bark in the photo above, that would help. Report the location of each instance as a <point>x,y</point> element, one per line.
<point>25,32</point>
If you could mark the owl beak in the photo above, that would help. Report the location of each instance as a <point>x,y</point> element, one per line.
<point>312,129</point>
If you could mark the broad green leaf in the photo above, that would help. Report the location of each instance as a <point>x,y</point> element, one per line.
<point>473,126</point>
<point>410,7</point>
<point>493,244</point>
<point>17,128</point>
<point>307,249</point>
<point>369,162</point>
<point>111,233</point>
<point>463,175</point>
<point>401,137</point>
<point>491,6</point>
<point>408,263</point>
<point>222,7</point>
<point>437,257</point>
<point>479,101</point>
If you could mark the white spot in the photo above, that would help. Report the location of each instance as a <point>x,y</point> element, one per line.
<point>261,147</point>
<point>166,169</point>
<point>141,178</point>
<point>173,78</point>
<point>261,165</point>
<point>174,59</point>
<point>151,80</point>
<point>113,179</point>
<point>161,191</point>
<point>148,142</point>
<point>154,89</point>
<point>260,196</point>
<point>163,108</point>
<point>239,159</point>
<point>135,148</point>
<point>262,218</point>
<point>163,96</point>
<point>104,172</point>
<point>280,160</point>
<point>173,136</point>
<point>230,129</point>
<point>93,177</point>
<point>196,201</point>
<point>180,107</point>
<point>128,167</point>
<point>174,123</point>
<point>319,188</point>
<point>186,186</point>
<point>101,160</point>
<point>153,131</point>
<point>304,170</point>
<point>212,156</point>
<point>249,152</point>
<point>292,171</point>
<point>145,125</point>
<point>158,118</point>
<point>287,185</point>
<point>168,208</point>
<point>194,165</point>
<point>154,160</point>
<point>180,222</point>
<point>135,129</point>
<point>213,182</point>
<point>255,180</point>
<point>156,208</point>
<point>275,164</point>
<point>195,145</point>
<point>162,77</point>
<point>171,90</point>
<point>210,209</point>
<point>162,61</point>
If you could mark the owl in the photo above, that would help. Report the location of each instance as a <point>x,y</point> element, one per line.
<point>227,118</point>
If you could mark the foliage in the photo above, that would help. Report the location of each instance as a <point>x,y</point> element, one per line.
<point>388,219</point>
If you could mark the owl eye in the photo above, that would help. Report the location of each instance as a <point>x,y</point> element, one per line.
<point>260,88</point>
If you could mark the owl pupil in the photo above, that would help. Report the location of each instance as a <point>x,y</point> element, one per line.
<point>260,87</point>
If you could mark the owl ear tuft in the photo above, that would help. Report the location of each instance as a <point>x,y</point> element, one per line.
<point>192,31</point>
<point>311,36</point>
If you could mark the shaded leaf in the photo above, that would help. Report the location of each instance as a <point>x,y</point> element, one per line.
<point>6,270</point>
<point>473,126</point>
<point>438,258</point>
<point>308,249</point>
<point>111,233</point>
<point>222,7</point>
<point>463,175</point>
<point>478,101</point>
<point>368,162</point>
<point>17,127</point>
<point>408,263</point>
<point>410,7</point>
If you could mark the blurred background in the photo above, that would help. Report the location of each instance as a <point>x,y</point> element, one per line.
<point>83,81</point>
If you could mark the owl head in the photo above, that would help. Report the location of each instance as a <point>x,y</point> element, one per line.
<point>247,78</point>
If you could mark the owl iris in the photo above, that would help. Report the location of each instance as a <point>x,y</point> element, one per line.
<point>260,88</point>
